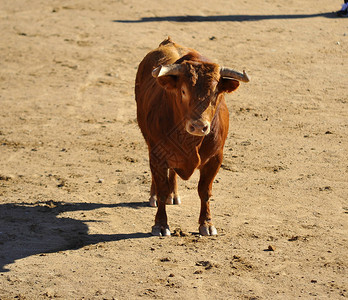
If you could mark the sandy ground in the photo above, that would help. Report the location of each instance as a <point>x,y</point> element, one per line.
<point>74,174</point>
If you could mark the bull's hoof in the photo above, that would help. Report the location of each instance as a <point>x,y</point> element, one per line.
<point>153,201</point>
<point>173,200</point>
<point>206,230</point>
<point>158,230</point>
<point>177,200</point>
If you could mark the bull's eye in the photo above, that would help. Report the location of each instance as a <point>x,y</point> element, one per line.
<point>183,92</point>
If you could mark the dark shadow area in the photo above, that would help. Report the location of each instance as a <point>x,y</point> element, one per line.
<point>227,18</point>
<point>29,229</point>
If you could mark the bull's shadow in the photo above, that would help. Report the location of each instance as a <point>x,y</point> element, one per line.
<point>28,229</point>
<point>227,18</point>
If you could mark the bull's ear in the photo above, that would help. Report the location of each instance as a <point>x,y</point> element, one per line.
<point>228,85</point>
<point>168,82</point>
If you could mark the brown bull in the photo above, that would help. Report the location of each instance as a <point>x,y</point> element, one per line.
<point>184,119</point>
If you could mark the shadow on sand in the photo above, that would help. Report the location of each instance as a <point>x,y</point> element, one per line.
<point>226,18</point>
<point>29,229</point>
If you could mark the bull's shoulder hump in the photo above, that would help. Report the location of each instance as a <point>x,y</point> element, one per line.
<point>167,41</point>
<point>173,51</point>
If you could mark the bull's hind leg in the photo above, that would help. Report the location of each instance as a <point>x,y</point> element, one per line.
<point>174,197</point>
<point>208,173</point>
<point>153,200</point>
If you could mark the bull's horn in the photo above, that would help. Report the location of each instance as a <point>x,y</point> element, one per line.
<point>227,72</point>
<point>174,69</point>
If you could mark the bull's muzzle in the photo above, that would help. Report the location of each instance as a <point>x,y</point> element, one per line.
<point>198,127</point>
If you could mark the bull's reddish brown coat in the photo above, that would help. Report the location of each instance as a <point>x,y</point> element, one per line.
<point>184,120</point>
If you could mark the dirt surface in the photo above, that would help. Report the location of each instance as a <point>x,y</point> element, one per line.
<point>74,174</point>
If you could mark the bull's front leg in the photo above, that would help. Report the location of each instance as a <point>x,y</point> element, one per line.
<point>208,173</point>
<point>160,180</point>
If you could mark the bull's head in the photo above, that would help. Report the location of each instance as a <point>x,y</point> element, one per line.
<point>199,88</point>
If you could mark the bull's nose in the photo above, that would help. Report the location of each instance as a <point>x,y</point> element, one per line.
<point>198,127</point>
